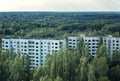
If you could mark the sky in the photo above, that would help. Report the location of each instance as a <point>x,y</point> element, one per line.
<point>59,5</point>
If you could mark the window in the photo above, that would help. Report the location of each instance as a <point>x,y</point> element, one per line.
<point>6,42</point>
<point>73,43</point>
<point>3,45</point>
<point>31,42</point>
<point>97,40</point>
<point>70,39</point>
<point>117,47</point>
<point>37,43</point>
<point>117,44</point>
<point>89,40</point>
<point>33,60</point>
<point>56,47</point>
<point>117,41</point>
<point>48,43</point>
<point>36,60</point>
<point>93,40</point>
<point>73,40</point>
<point>89,43</point>
<point>104,40</point>
<point>73,46</point>
<point>113,47</point>
<point>93,50</point>
<point>93,43</point>
<point>2,41</point>
<point>25,42</point>
<point>25,50</point>
<point>36,64</point>
<point>56,43</point>
<point>41,46</point>
<point>61,43</point>
<point>33,57</point>
<point>29,49</point>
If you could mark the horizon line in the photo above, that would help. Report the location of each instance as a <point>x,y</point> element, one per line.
<point>61,11</point>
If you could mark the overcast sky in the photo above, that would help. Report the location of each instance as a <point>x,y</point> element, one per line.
<point>59,5</point>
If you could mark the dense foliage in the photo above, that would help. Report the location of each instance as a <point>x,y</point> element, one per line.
<point>55,24</point>
<point>65,65</point>
<point>14,67</point>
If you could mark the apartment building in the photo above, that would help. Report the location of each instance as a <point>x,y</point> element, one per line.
<point>37,49</point>
<point>111,43</point>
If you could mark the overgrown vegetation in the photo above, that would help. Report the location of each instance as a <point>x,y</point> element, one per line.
<point>65,65</point>
<point>53,24</point>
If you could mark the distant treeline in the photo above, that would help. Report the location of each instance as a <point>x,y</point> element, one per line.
<point>58,24</point>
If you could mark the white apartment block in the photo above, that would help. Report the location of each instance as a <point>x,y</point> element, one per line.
<point>111,43</point>
<point>37,49</point>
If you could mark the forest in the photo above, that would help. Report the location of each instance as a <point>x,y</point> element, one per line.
<point>65,65</point>
<point>58,24</point>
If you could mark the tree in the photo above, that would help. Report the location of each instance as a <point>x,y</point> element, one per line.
<point>83,69</point>
<point>103,79</point>
<point>101,67</point>
<point>58,79</point>
<point>102,51</point>
<point>38,73</point>
<point>91,73</point>
<point>17,69</point>
<point>115,59</point>
<point>114,73</point>
<point>45,78</point>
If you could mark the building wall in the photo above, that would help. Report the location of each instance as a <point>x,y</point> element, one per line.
<point>111,43</point>
<point>37,49</point>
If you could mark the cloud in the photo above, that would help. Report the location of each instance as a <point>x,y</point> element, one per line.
<point>59,5</point>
